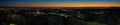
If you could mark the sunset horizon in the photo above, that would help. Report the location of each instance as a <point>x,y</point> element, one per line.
<point>59,3</point>
<point>67,5</point>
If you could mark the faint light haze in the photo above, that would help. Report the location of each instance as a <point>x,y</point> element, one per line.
<point>59,3</point>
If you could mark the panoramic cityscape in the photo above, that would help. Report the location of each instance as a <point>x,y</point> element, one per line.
<point>60,16</point>
<point>59,12</point>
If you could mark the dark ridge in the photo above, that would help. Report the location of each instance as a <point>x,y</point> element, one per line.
<point>112,7</point>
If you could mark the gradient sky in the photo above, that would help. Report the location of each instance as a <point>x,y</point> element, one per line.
<point>59,3</point>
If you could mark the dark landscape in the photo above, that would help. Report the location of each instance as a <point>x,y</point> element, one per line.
<point>60,15</point>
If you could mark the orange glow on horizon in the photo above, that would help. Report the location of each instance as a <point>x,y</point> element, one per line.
<point>69,5</point>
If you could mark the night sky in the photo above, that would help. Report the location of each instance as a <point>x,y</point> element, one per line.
<point>59,3</point>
